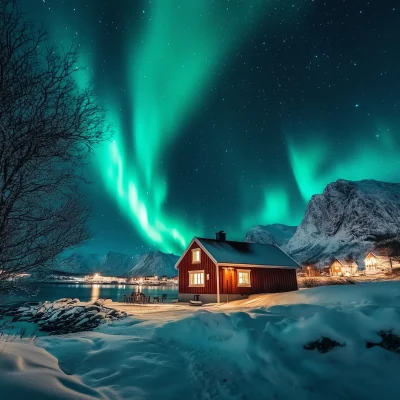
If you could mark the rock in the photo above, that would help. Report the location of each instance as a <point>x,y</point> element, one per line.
<point>390,342</point>
<point>91,313</point>
<point>323,345</point>
<point>100,315</point>
<point>92,307</point>
<point>22,309</point>
<point>83,321</point>
<point>112,313</point>
<point>65,315</point>
<point>20,319</point>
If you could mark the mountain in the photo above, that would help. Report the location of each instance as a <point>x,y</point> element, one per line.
<point>118,264</point>
<point>346,218</point>
<point>270,234</point>
<point>155,263</point>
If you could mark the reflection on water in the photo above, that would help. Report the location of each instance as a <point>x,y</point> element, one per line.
<point>95,292</point>
<point>84,292</point>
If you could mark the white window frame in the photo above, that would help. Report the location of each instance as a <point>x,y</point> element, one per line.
<point>191,274</point>
<point>197,250</point>
<point>247,271</point>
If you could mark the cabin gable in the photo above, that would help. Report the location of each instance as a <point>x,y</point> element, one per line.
<point>187,266</point>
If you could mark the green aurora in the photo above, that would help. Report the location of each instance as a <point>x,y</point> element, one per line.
<point>170,59</point>
<point>167,74</point>
<point>376,157</point>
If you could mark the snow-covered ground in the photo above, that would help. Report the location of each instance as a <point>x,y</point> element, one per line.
<point>247,349</point>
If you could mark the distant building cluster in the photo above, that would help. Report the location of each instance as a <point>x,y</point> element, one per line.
<point>374,263</point>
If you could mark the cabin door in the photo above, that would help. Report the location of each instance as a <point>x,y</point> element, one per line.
<point>228,281</point>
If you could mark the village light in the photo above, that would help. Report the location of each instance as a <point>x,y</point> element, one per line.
<point>96,275</point>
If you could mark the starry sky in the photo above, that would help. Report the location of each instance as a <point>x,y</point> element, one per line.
<point>229,113</point>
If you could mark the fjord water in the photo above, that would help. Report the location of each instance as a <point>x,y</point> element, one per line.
<point>51,292</point>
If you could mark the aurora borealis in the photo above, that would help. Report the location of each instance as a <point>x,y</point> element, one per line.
<point>230,113</point>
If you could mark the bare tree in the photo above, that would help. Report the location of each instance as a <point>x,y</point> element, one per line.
<point>389,246</point>
<point>48,127</point>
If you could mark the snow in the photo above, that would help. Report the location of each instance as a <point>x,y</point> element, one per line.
<point>270,234</point>
<point>252,348</point>
<point>247,253</point>
<point>30,372</point>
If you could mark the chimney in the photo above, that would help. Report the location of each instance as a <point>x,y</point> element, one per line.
<point>220,236</point>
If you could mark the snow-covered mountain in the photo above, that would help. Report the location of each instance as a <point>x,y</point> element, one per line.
<point>118,264</point>
<point>346,218</point>
<point>155,263</point>
<point>270,234</point>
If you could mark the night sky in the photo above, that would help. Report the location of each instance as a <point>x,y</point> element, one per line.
<point>229,113</point>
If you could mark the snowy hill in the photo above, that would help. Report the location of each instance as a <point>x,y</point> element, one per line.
<point>346,218</point>
<point>270,234</point>
<point>118,264</point>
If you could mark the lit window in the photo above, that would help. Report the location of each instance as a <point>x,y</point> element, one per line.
<point>243,277</point>
<point>195,256</point>
<point>196,278</point>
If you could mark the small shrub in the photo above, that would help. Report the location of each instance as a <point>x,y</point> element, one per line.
<point>311,282</point>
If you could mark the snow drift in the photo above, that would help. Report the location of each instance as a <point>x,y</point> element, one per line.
<point>252,348</point>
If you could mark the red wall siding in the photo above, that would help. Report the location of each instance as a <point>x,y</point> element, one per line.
<point>263,280</point>
<point>206,264</point>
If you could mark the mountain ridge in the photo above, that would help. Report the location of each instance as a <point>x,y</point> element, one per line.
<point>120,264</point>
<point>346,218</point>
<point>278,234</point>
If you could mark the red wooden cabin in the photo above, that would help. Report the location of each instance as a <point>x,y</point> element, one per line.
<point>218,270</point>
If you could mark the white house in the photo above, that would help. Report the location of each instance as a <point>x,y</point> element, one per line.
<point>341,267</point>
<point>376,263</point>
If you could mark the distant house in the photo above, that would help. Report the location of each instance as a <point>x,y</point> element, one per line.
<point>164,278</point>
<point>217,270</point>
<point>376,263</point>
<point>150,278</point>
<point>326,271</point>
<point>341,267</point>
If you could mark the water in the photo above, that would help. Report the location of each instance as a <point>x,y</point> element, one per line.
<point>84,292</point>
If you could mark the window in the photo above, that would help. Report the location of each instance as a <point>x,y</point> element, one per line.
<point>196,256</point>
<point>196,278</point>
<point>243,277</point>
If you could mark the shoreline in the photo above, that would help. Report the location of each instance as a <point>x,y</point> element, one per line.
<point>105,283</point>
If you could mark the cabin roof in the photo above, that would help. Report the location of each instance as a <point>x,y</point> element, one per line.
<point>346,263</point>
<point>229,252</point>
<point>377,254</point>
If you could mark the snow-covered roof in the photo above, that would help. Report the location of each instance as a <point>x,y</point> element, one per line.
<point>345,263</point>
<point>378,255</point>
<point>228,252</point>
